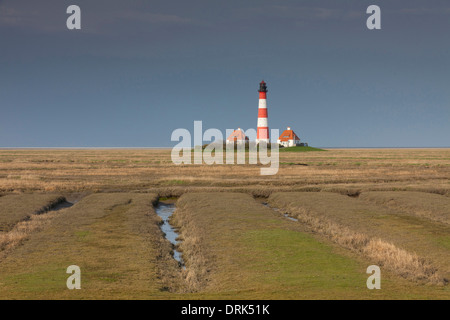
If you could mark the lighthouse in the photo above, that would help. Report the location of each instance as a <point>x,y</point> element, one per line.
<point>262,133</point>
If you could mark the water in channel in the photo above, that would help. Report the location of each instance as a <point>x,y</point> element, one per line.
<point>284,214</point>
<point>165,210</point>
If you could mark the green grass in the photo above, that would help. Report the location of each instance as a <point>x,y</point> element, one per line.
<point>298,266</point>
<point>409,232</point>
<point>253,252</point>
<point>171,199</point>
<point>81,235</point>
<point>110,238</point>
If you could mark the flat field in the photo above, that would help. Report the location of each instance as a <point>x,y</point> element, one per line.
<point>354,208</point>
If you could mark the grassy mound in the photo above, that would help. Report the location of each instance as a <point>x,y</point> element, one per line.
<point>300,149</point>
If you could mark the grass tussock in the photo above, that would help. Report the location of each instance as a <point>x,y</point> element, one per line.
<point>431,206</point>
<point>406,264</point>
<point>116,242</point>
<point>23,223</point>
<point>233,247</point>
<point>22,230</point>
<point>18,207</point>
<point>195,273</point>
<point>168,271</point>
<point>385,254</point>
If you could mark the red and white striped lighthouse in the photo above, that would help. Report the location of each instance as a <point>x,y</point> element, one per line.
<point>262,133</point>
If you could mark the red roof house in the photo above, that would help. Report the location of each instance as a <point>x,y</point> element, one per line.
<point>238,136</point>
<point>288,138</point>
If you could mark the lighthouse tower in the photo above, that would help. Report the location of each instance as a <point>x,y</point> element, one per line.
<point>262,133</point>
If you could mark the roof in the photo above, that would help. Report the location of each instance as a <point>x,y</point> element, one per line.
<point>287,135</point>
<point>237,135</point>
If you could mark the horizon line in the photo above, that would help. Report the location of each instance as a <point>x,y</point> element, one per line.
<point>398,147</point>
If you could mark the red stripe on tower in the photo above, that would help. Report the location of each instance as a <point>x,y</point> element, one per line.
<point>262,113</point>
<point>262,133</point>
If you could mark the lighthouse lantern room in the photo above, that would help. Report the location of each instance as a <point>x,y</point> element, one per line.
<point>262,133</point>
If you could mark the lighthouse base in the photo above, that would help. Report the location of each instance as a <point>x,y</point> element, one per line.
<point>267,141</point>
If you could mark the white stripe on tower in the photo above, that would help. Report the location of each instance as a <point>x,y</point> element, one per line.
<point>262,133</point>
<point>262,123</point>
<point>262,103</point>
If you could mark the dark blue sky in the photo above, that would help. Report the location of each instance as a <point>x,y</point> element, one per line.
<point>140,69</point>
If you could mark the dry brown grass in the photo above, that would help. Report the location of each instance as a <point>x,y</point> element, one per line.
<point>195,273</point>
<point>125,234</point>
<point>114,238</point>
<point>152,170</point>
<point>21,232</point>
<point>406,264</point>
<point>234,247</point>
<point>20,215</point>
<point>355,226</point>
<point>430,206</point>
<point>19,207</point>
<point>168,271</point>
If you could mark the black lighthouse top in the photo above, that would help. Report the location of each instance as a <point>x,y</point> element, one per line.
<point>262,87</point>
